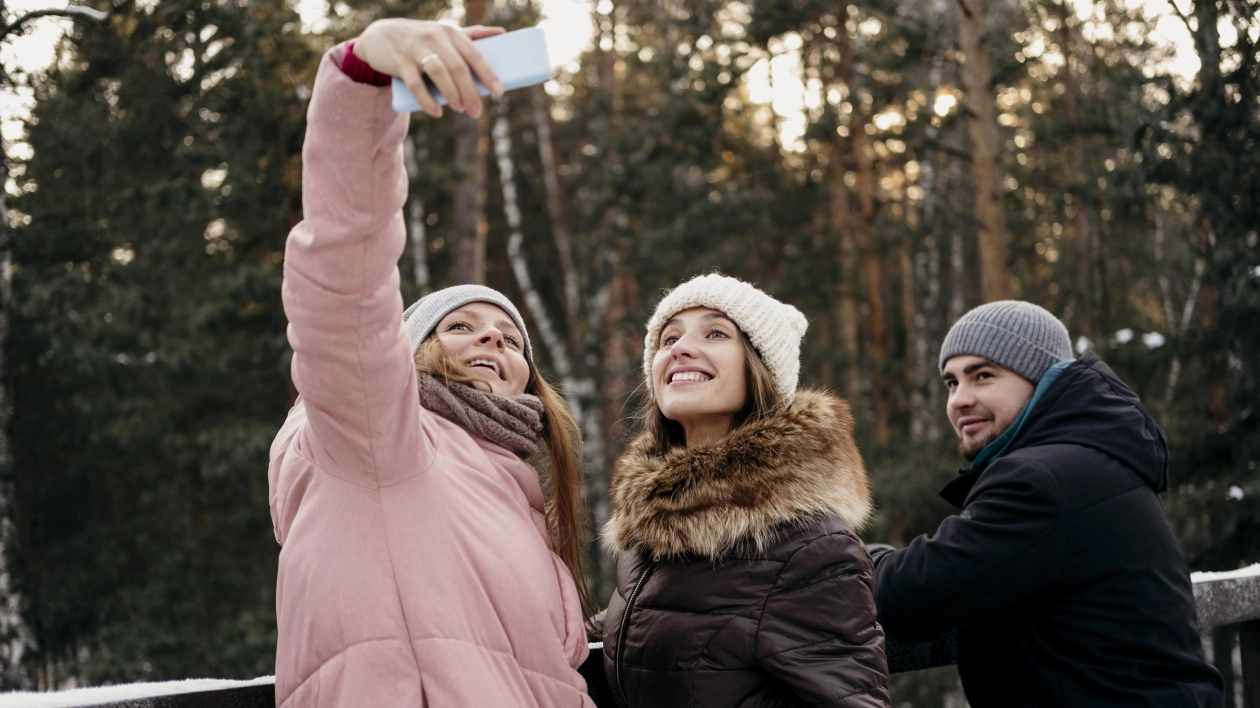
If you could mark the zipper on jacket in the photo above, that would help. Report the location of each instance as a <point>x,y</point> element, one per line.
<point>621,630</point>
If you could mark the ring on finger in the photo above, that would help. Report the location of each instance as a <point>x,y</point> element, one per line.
<point>428,58</point>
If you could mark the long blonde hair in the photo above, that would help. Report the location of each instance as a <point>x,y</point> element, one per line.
<point>762,400</point>
<point>560,466</point>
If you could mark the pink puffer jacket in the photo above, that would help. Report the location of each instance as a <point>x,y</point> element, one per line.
<point>416,566</point>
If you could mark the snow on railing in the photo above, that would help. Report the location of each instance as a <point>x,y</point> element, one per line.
<point>1226,598</point>
<point>1231,597</point>
<point>190,693</point>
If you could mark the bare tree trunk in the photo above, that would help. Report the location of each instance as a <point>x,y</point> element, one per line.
<point>847,312</point>
<point>1207,44</point>
<point>1178,329</point>
<point>16,638</point>
<point>957,261</point>
<point>470,221</point>
<point>986,170</point>
<point>925,396</point>
<point>470,194</point>
<point>872,264</point>
<point>612,68</point>
<point>579,390</point>
<point>605,53</point>
<point>556,348</point>
<point>618,352</point>
<point>1165,286</point>
<point>909,285</point>
<point>925,401</point>
<point>555,209</point>
<point>775,125</point>
<point>413,157</point>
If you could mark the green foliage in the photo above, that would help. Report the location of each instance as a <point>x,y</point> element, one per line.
<point>150,366</point>
<point>1203,142</point>
<point>148,350</point>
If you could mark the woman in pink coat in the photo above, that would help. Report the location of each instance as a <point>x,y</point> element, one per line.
<point>421,561</point>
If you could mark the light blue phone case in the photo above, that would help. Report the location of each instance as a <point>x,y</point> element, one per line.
<point>519,58</point>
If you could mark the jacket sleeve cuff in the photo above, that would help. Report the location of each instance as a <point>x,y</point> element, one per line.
<point>878,551</point>
<point>359,71</point>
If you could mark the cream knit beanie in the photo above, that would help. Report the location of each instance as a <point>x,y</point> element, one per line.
<point>774,328</point>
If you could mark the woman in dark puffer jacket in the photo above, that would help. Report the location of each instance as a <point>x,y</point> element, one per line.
<point>740,581</point>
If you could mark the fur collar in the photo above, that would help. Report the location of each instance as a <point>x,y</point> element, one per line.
<point>795,465</point>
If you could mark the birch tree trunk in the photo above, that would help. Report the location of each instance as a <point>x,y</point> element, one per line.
<point>470,152</point>
<point>1177,328</point>
<point>986,170</point>
<point>579,390</point>
<point>559,353</point>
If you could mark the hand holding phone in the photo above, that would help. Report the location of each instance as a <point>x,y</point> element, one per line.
<point>415,49</point>
<point>518,59</point>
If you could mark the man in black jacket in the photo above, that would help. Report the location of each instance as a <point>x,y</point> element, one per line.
<point>1061,573</point>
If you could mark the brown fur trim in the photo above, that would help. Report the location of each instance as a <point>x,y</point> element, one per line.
<point>789,467</point>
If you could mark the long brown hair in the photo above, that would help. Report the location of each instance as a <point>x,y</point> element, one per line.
<point>559,465</point>
<point>762,401</point>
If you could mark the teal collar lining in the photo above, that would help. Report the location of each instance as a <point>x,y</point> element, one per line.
<point>998,447</point>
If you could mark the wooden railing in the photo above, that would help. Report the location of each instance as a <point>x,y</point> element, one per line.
<point>1221,599</point>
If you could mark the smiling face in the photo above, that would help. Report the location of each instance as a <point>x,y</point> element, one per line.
<point>984,399</point>
<point>699,377</point>
<point>484,338</point>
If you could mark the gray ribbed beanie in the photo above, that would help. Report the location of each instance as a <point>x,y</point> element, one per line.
<point>1019,336</point>
<point>429,310</point>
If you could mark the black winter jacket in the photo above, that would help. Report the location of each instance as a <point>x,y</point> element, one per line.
<point>739,581</point>
<point>1061,574</point>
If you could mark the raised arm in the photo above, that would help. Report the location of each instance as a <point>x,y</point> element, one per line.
<point>352,358</point>
<point>351,361</point>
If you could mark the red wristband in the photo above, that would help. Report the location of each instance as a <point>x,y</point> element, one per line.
<point>359,71</point>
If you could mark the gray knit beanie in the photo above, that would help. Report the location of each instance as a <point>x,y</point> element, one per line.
<point>429,310</point>
<point>1019,336</point>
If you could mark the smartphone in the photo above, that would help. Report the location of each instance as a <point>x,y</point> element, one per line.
<point>519,58</point>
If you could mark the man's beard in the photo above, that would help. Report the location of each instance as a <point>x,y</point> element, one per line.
<point>970,451</point>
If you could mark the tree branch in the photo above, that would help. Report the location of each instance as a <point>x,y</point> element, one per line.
<point>1184,19</point>
<point>69,11</point>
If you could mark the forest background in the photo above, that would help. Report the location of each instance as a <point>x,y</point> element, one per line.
<point>949,153</point>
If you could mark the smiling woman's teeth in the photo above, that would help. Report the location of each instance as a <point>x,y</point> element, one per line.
<point>689,376</point>
<point>484,362</point>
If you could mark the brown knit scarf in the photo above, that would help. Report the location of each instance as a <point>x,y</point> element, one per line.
<point>513,422</point>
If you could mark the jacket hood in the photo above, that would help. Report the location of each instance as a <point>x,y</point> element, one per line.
<point>792,466</point>
<point>1090,406</point>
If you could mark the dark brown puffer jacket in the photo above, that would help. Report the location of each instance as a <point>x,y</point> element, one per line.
<point>739,579</point>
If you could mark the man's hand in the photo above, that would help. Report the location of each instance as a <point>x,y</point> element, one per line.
<point>411,49</point>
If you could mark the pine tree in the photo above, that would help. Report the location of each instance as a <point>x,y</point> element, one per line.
<point>148,350</point>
